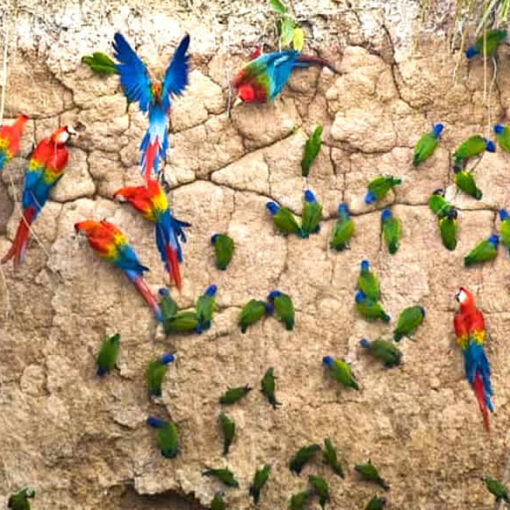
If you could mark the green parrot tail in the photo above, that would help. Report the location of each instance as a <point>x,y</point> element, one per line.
<point>243,328</point>
<point>397,336</point>
<point>385,317</point>
<point>354,385</point>
<point>289,326</point>
<point>392,248</point>
<point>478,194</point>
<point>221,267</point>
<point>451,246</point>
<point>302,234</point>
<point>397,181</point>
<point>468,261</point>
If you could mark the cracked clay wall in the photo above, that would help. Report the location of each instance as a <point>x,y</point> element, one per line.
<point>82,442</point>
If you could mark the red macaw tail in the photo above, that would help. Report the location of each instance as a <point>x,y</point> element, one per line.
<point>174,271</point>
<point>147,295</point>
<point>314,60</point>
<point>150,156</point>
<point>480,396</point>
<point>19,245</point>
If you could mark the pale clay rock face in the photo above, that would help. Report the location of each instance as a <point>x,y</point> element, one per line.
<point>82,442</point>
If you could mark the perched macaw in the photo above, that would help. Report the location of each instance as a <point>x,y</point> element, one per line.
<point>223,250</point>
<point>155,373</point>
<point>9,139</point>
<point>385,351</point>
<point>469,148</point>
<point>408,322</point>
<point>259,480</point>
<point>167,436</point>
<point>152,96</point>
<point>448,226</point>
<point>426,145</point>
<point>302,456</point>
<point>497,489</point>
<point>392,231</point>
<point>233,395</point>
<point>223,475</point>
<point>321,488</point>
<point>504,228</point>
<point>483,251</point>
<point>252,312</point>
<point>369,473</point>
<point>330,457</point>
<point>111,244</point>
<point>218,502</point>
<point>376,503</point>
<point>379,187</point>
<point>45,168</point>
<point>206,304</point>
<point>228,428</point>
<point>502,136</point>
<point>284,220</point>
<point>311,215</point>
<point>283,308</point>
<point>152,203</point>
<point>108,353</point>
<point>20,500</point>
<point>340,371</point>
<point>370,309</point>
<point>439,205</point>
<point>343,229</point>
<point>268,387</point>
<point>182,322</point>
<point>298,500</point>
<point>486,44</point>
<point>368,282</point>
<point>465,181</point>
<point>470,336</point>
<point>263,78</point>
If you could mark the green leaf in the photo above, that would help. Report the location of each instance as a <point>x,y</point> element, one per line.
<point>277,6</point>
<point>287,31</point>
<point>100,63</point>
<point>298,40</point>
<point>312,148</point>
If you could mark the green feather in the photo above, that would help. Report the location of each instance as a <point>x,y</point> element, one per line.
<point>218,503</point>
<point>372,310</point>
<point>424,148</point>
<point>380,186</point>
<point>376,503</point>
<point>369,473</point>
<point>259,480</point>
<point>302,457</point>
<point>466,182</point>
<point>320,487</point>
<point>504,230</point>
<point>385,351</point>
<point>228,428</point>
<point>490,42</point>
<point>183,322</point>
<point>20,500</point>
<point>223,475</point>
<point>342,233</point>
<point>167,437</point>
<point>482,252</point>
<point>439,206</point>
<point>312,148</point>
<point>268,387</point>
<point>154,375</point>
<point>205,309</point>
<point>448,229</point>
<point>341,372</point>
<point>369,284</point>
<point>298,500</point>
<point>168,306</point>
<point>408,321</point>
<point>312,214</point>
<point>392,232</point>
<point>503,139</point>
<point>100,63</point>
<point>286,223</point>
<point>497,489</point>
<point>223,250</point>
<point>108,353</point>
<point>284,310</point>
<point>233,395</point>
<point>251,313</point>
<point>331,459</point>
<point>469,148</point>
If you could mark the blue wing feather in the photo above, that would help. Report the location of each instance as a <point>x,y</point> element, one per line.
<point>475,361</point>
<point>128,260</point>
<point>279,67</point>
<point>176,75</point>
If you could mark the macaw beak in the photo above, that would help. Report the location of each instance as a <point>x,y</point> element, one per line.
<point>237,102</point>
<point>457,297</point>
<point>71,131</point>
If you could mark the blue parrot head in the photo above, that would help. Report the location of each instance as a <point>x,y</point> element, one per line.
<point>211,290</point>
<point>167,358</point>
<point>273,294</point>
<point>155,423</point>
<point>213,238</point>
<point>365,265</point>
<point>494,240</point>
<point>342,208</point>
<point>272,207</point>
<point>489,145</point>
<point>327,360</point>
<point>369,198</point>
<point>269,308</point>
<point>309,196</point>
<point>438,128</point>
<point>364,343</point>
<point>471,52</point>
<point>503,214</point>
<point>360,296</point>
<point>499,128</point>
<point>385,215</point>
<point>163,292</point>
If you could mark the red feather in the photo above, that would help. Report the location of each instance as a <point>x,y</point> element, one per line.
<point>479,392</point>
<point>147,295</point>
<point>19,245</point>
<point>173,266</point>
<point>150,156</point>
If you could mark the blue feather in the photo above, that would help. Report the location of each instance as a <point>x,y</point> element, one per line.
<point>158,129</point>
<point>279,67</point>
<point>176,75</point>
<point>475,361</point>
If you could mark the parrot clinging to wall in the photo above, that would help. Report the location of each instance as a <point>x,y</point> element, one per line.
<point>302,457</point>
<point>155,373</point>
<point>152,96</point>
<point>268,387</point>
<point>223,250</point>
<point>228,429</point>
<point>283,308</point>
<point>223,475</point>
<point>9,139</point>
<point>497,489</point>
<point>426,145</point>
<point>392,230</point>
<point>370,473</point>
<point>311,214</point>
<point>343,230</point>
<point>385,351</point>
<point>368,282</point>
<point>484,251</point>
<point>470,336</point>
<point>448,226</point>
<point>259,480</point>
<point>205,307</point>
<point>470,148</point>
<point>502,136</point>
<point>107,355</point>
<point>340,371</point>
<point>465,181</point>
<point>152,202</point>
<point>321,488</point>
<point>167,436</point>
<point>46,167</point>
<point>486,44</point>
<point>112,245</point>
<point>330,457</point>
<point>20,500</point>
<point>409,320</point>
<point>379,187</point>
<point>284,220</point>
<point>504,228</point>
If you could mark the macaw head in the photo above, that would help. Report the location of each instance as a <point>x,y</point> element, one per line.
<point>86,227</point>
<point>245,94</point>
<point>62,134</point>
<point>465,298</point>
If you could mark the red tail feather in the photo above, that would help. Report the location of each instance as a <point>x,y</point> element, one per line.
<point>150,156</point>
<point>19,245</point>
<point>173,266</point>
<point>147,295</point>
<point>479,392</point>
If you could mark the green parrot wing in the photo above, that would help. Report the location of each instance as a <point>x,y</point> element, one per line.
<point>424,148</point>
<point>284,309</point>
<point>504,231</point>
<point>369,284</point>
<point>285,221</point>
<point>392,230</point>
<point>469,148</point>
<point>448,229</point>
<point>503,139</point>
<point>379,187</point>
<point>223,250</point>
<point>311,217</point>
<point>341,234</point>
<point>482,252</point>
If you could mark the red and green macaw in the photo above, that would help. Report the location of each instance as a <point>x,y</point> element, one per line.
<point>470,336</point>
<point>9,139</point>
<point>152,96</point>
<point>152,202</point>
<point>112,245</point>
<point>45,168</point>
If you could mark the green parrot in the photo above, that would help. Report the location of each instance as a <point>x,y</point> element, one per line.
<point>369,473</point>
<point>409,320</point>
<point>321,488</point>
<point>497,489</point>
<point>233,395</point>
<point>392,231</point>
<point>331,459</point>
<point>376,503</point>
<point>167,436</point>
<point>228,428</point>
<point>466,182</point>
<point>218,503</point>
<point>470,148</point>
<point>384,351</point>
<point>302,456</point>
<point>205,307</point>
<point>379,187</point>
<point>284,220</point>
<point>167,305</point>
<point>155,373</point>
<point>343,229</point>
<point>370,309</point>
<point>283,307</point>
<point>340,372</point>
<point>20,500</point>
<point>368,282</point>
<point>252,312</point>
<point>486,44</point>
<point>223,475</point>
<point>502,136</point>
<point>311,215</point>
<point>438,205</point>
<point>268,387</point>
<point>297,501</point>
<point>483,251</point>
<point>182,322</point>
<point>448,226</point>
<point>259,480</point>
<point>427,145</point>
<point>107,355</point>
<point>504,228</point>
<point>223,250</point>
